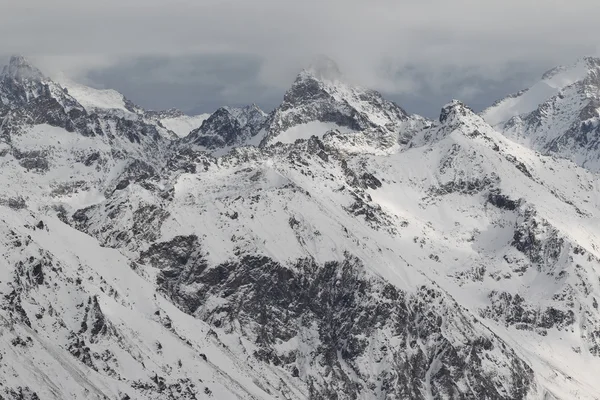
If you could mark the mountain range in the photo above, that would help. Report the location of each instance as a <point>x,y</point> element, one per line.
<point>337,247</point>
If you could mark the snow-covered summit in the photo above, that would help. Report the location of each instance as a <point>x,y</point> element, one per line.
<point>183,124</point>
<point>96,100</point>
<point>320,100</point>
<point>171,124</point>
<point>228,127</point>
<point>550,84</point>
<point>558,115</point>
<point>454,109</point>
<point>21,83</point>
<point>19,68</point>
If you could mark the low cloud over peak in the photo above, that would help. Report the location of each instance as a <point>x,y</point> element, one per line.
<point>406,49</point>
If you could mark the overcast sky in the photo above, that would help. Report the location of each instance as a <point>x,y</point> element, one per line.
<point>200,54</point>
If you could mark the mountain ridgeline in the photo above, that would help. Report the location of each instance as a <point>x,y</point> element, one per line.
<point>334,248</point>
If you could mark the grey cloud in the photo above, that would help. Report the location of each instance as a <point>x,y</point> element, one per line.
<point>471,87</point>
<point>463,45</point>
<point>203,83</point>
<point>194,84</point>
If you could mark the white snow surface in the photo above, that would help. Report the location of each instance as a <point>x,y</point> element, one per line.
<point>537,94</point>
<point>183,125</point>
<point>95,99</point>
<point>305,131</point>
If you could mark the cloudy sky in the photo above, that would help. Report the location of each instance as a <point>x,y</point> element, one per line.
<point>199,54</point>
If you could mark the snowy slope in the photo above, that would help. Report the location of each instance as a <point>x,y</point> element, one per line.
<point>184,124</point>
<point>358,252</point>
<point>559,115</point>
<point>320,100</point>
<point>529,99</point>
<point>171,124</point>
<point>96,99</point>
<point>98,330</point>
<point>306,130</point>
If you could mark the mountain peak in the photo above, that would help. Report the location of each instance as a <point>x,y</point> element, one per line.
<point>455,107</point>
<point>228,126</point>
<point>554,81</point>
<point>320,99</point>
<point>20,68</point>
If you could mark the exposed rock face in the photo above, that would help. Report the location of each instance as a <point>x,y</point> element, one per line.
<point>227,127</point>
<point>21,82</point>
<point>337,309</point>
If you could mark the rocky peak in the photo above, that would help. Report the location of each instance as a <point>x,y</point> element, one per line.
<point>33,98</point>
<point>454,109</point>
<point>316,81</point>
<point>321,80</point>
<point>591,83</point>
<point>566,75</point>
<point>20,69</point>
<point>576,78</point>
<point>228,126</point>
<point>307,87</point>
<point>246,115</point>
<point>320,96</point>
<point>584,75</point>
<point>590,63</point>
<point>455,116</point>
<point>21,83</point>
<point>219,118</point>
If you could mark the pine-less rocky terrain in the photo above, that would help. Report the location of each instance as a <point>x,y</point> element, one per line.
<point>335,248</point>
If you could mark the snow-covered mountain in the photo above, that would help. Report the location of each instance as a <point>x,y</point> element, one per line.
<point>171,124</point>
<point>226,128</point>
<point>320,101</point>
<point>558,115</point>
<point>358,252</point>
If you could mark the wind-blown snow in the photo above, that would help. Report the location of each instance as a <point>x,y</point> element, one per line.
<point>541,91</point>
<point>95,99</point>
<point>566,124</point>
